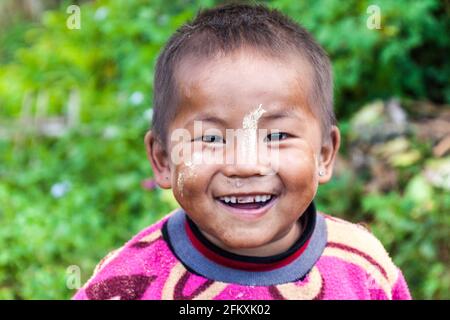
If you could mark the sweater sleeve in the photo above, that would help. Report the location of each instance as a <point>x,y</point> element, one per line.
<point>80,295</point>
<point>400,289</point>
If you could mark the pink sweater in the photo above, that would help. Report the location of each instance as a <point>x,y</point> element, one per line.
<point>338,260</point>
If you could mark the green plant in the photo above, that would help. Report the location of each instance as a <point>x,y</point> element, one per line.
<point>69,198</point>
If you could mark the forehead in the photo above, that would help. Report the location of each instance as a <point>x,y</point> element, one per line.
<point>242,80</point>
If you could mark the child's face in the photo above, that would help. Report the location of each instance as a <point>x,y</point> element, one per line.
<point>260,96</point>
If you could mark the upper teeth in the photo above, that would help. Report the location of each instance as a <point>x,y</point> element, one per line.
<point>247,199</point>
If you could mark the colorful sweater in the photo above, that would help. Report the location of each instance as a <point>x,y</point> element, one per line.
<point>333,259</point>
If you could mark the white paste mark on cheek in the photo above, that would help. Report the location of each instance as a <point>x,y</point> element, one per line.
<point>180,183</point>
<point>188,172</point>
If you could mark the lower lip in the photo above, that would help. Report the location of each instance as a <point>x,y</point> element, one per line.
<point>249,214</point>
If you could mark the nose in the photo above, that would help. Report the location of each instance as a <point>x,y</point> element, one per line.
<point>243,170</point>
<point>244,160</point>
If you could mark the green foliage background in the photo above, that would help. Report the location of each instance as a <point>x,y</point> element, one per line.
<point>109,62</point>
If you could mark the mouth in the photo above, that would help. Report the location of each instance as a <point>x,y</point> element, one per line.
<point>247,205</point>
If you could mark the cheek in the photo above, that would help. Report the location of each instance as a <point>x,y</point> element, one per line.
<point>184,169</point>
<point>191,181</point>
<point>182,181</point>
<point>298,168</point>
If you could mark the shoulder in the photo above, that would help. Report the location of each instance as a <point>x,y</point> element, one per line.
<point>355,244</point>
<point>147,245</point>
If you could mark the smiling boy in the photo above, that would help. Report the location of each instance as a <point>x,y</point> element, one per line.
<point>243,133</point>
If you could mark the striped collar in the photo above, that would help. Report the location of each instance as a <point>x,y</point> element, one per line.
<point>202,257</point>
<point>249,263</point>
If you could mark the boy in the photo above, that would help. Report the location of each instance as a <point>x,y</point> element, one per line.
<point>244,132</point>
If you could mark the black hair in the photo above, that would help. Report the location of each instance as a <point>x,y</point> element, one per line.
<point>229,27</point>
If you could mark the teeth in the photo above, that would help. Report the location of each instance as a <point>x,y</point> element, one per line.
<point>247,199</point>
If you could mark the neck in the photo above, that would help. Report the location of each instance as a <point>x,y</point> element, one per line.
<point>277,246</point>
<point>203,257</point>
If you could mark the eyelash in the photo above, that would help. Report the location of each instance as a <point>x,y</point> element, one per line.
<point>268,138</point>
<point>203,139</point>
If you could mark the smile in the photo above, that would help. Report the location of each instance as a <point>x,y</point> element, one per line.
<point>247,206</point>
<point>261,199</point>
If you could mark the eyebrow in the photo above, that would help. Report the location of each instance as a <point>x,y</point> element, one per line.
<point>266,116</point>
<point>208,118</point>
<point>275,115</point>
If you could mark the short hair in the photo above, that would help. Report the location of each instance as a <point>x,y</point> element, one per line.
<point>229,27</point>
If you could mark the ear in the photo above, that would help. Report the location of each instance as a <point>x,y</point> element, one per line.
<point>157,156</point>
<point>328,154</point>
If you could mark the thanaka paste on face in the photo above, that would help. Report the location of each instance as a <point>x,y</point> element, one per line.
<point>188,171</point>
<point>180,182</point>
<point>247,147</point>
<point>249,140</point>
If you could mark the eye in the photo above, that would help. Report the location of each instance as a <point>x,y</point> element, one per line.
<point>276,136</point>
<point>212,138</point>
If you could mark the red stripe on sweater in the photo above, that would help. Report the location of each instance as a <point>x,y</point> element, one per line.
<point>249,266</point>
<point>359,253</point>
